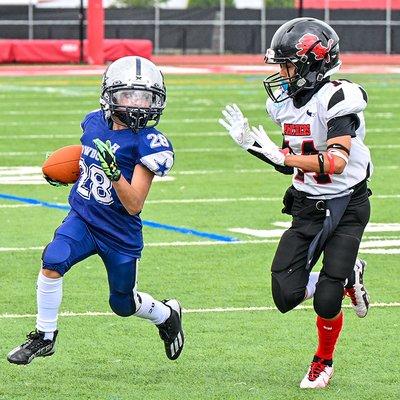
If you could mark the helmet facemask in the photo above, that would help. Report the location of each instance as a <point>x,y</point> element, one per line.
<point>307,76</point>
<point>134,107</point>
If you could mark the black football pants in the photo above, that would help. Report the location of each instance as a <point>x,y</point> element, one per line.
<point>289,274</point>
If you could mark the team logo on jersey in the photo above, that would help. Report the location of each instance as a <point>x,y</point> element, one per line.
<point>310,43</point>
<point>297,129</point>
<point>311,113</point>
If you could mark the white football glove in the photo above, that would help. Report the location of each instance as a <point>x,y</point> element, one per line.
<point>266,146</point>
<point>237,126</point>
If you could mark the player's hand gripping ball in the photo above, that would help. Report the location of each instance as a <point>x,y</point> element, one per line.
<point>107,159</point>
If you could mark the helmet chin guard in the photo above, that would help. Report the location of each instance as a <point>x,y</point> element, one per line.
<point>133,93</point>
<point>308,44</point>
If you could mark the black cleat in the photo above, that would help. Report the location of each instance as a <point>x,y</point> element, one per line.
<point>171,330</point>
<point>35,346</point>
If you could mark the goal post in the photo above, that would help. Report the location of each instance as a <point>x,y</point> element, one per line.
<point>95,32</point>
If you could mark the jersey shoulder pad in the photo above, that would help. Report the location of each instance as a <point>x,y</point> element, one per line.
<point>155,151</point>
<point>343,97</point>
<point>89,116</point>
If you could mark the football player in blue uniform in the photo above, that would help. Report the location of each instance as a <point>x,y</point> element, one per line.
<point>121,153</point>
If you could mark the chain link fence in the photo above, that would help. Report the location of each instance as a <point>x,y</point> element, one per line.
<point>216,30</point>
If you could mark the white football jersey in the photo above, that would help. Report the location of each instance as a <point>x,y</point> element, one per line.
<point>305,131</point>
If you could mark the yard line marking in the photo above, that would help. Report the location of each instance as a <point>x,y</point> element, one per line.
<point>18,205</point>
<point>11,249</point>
<point>78,135</point>
<point>380,243</point>
<point>151,224</point>
<point>192,311</point>
<point>381,240</point>
<point>371,227</point>
<point>161,244</point>
<point>381,251</point>
<point>216,200</point>
<point>44,137</point>
<point>213,200</point>
<point>33,170</point>
<point>223,171</point>
<point>25,135</point>
<point>188,150</point>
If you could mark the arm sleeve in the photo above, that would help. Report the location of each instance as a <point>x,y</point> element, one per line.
<point>343,126</point>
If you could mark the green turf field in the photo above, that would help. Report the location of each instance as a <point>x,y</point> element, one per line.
<point>245,351</point>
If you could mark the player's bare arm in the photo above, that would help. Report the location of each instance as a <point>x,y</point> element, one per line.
<point>133,195</point>
<point>331,159</point>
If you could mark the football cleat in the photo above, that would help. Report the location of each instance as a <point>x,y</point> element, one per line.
<point>357,293</point>
<point>318,375</point>
<point>171,330</point>
<point>35,346</point>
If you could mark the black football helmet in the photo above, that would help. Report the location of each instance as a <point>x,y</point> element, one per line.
<point>309,44</point>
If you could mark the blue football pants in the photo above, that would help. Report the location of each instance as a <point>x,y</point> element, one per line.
<point>73,242</point>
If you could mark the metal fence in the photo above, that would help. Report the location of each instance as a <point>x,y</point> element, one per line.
<point>213,30</point>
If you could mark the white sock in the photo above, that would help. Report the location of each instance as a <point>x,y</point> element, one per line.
<point>310,288</point>
<point>151,309</point>
<point>49,295</point>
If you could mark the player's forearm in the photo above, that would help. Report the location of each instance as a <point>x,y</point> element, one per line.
<point>130,199</point>
<point>310,163</point>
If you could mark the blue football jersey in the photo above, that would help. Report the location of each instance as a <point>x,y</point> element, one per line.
<point>93,196</point>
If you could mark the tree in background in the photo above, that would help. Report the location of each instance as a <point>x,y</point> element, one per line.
<point>209,3</point>
<point>279,3</point>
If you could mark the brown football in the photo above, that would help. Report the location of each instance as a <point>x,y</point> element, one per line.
<point>63,164</point>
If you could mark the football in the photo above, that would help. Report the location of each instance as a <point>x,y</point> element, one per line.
<point>63,164</point>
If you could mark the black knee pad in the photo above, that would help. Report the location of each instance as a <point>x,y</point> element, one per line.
<point>286,297</point>
<point>56,255</point>
<point>328,297</point>
<point>340,255</point>
<point>122,304</point>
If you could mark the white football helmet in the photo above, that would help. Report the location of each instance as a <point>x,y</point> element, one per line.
<point>133,93</point>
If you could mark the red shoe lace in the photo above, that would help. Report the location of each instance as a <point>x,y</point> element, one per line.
<point>315,370</point>
<point>351,293</point>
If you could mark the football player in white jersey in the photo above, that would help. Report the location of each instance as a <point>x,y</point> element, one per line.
<point>323,149</point>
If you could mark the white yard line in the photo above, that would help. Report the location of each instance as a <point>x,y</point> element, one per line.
<point>79,134</point>
<point>380,245</point>
<point>18,205</point>
<point>194,150</point>
<point>24,136</point>
<point>217,200</point>
<point>192,311</point>
<point>211,200</point>
<point>160,244</point>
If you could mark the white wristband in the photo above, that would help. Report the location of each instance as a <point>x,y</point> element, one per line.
<point>339,154</point>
